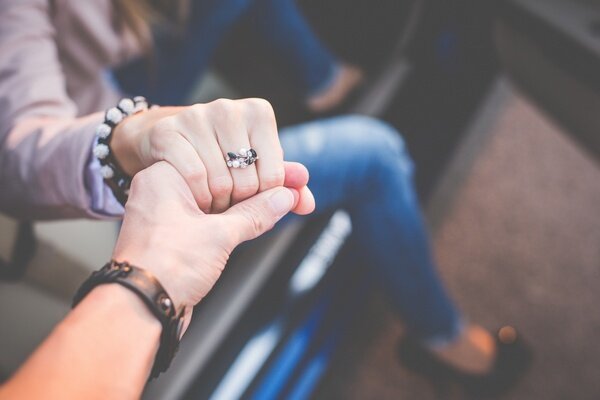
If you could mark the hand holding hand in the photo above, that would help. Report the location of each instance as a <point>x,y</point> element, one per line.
<point>165,232</point>
<point>195,140</point>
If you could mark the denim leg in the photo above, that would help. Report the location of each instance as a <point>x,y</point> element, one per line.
<point>180,61</point>
<point>285,30</point>
<point>360,164</point>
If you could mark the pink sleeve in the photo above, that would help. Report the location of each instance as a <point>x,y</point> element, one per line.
<point>44,148</point>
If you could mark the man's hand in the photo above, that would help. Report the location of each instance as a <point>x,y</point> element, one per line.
<point>165,232</point>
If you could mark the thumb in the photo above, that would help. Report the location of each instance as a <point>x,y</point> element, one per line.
<point>256,215</point>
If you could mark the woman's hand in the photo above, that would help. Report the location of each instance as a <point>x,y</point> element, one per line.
<point>195,140</point>
<point>165,232</point>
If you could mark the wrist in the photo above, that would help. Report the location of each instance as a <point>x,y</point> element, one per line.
<point>148,289</point>
<point>158,263</point>
<point>123,146</point>
<point>118,301</point>
<point>114,173</point>
<point>121,334</point>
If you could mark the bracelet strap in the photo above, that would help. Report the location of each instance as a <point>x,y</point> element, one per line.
<point>113,174</point>
<point>152,293</point>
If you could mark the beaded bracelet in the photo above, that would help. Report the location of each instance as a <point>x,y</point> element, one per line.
<point>111,171</point>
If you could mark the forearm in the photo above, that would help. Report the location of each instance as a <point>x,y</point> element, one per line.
<point>43,144</point>
<point>104,348</point>
<point>42,168</point>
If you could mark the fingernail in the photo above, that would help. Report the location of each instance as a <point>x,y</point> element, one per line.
<point>281,202</point>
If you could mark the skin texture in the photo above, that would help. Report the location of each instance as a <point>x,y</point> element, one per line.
<point>194,246</point>
<point>105,347</point>
<point>195,140</point>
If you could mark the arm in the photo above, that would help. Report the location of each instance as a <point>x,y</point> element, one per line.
<point>85,357</point>
<point>106,346</point>
<point>44,149</point>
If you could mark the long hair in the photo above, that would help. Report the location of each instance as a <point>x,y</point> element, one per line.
<point>140,16</point>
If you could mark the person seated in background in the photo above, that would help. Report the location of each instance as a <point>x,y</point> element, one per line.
<point>181,55</point>
<point>113,339</point>
<point>62,156</point>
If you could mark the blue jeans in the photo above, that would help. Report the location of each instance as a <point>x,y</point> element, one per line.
<point>356,163</point>
<point>180,61</point>
<point>360,164</point>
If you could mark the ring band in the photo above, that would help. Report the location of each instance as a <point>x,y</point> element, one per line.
<point>241,159</point>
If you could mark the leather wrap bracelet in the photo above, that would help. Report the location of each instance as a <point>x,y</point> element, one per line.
<point>152,293</point>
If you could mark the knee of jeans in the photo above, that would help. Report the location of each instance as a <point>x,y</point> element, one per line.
<point>379,142</point>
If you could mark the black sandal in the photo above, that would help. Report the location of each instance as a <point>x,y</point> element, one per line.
<point>513,358</point>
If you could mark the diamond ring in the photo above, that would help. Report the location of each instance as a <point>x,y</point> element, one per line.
<point>241,159</point>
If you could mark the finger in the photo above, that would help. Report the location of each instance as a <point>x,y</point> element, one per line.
<point>296,175</point>
<point>232,135</point>
<point>220,179</point>
<point>181,154</point>
<point>256,215</point>
<point>306,202</point>
<point>296,194</point>
<point>262,129</point>
<point>201,133</point>
<point>160,183</point>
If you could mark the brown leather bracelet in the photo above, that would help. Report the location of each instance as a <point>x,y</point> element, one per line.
<point>152,293</point>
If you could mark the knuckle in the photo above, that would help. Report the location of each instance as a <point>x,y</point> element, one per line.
<point>254,220</point>
<point>191,118</point>
<point>257,225</point>
<point>222,110</point>
<point>203,202</point>
<point>259,105</point>
<point>196,175</point>
<point>260,112</point>
<point>197,108</point>
<point>221,186</point>
<point>193,112</point>
<point>222,105</point>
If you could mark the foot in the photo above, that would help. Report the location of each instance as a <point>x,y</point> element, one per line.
<point>472,352</point>
<point>346,80</point>
<point>482,364</point>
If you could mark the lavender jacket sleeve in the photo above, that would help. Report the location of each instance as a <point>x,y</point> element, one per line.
<point>44,147</point>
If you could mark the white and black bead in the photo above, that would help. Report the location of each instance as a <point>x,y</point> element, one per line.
<point>114,115</point>
<point>103,131</point>
<point>107,172</point>
<point>127,106</point>
<point>101,151</point>
<point>140,104</point>
<point>109,169</point>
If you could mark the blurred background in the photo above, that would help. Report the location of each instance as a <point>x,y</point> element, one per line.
<point>498,102</point>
